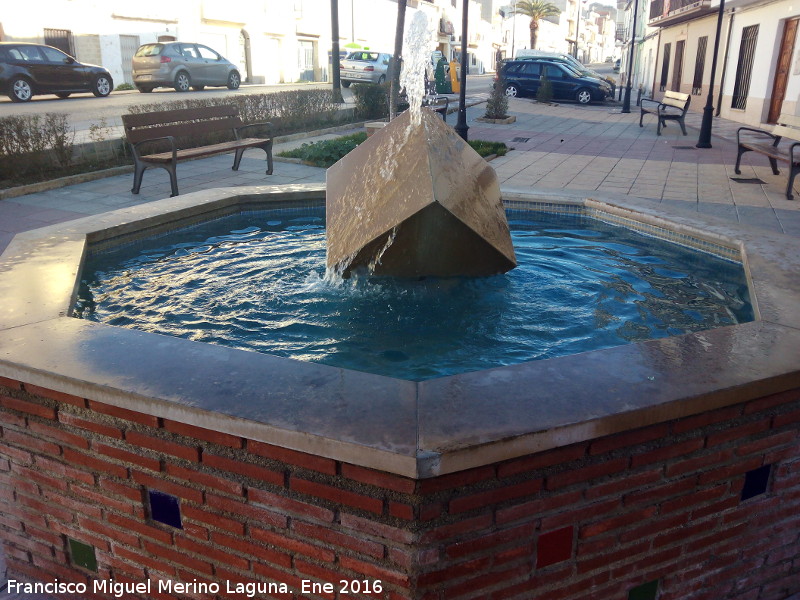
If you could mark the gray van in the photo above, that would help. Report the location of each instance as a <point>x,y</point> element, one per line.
<point>182,65</point>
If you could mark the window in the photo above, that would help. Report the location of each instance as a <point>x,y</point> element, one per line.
<point>677,69</point>
<point>27,53</point>
<point>207,53</point>
<point>531,69</point>
<point>53,55</point>
<point>553,72</point>
<point>744,69</point>
<point>61,39</point>
<point>699,66</point>
<point>665,67</point>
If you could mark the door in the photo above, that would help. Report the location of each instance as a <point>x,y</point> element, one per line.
<point>677,70</point>
<point>782,70</point>
<point>529,76</point>
<point>127,48</point>
<point>305,60</point>
<point>61,72</point>
<point>215,70</point>
<point>564,87</point>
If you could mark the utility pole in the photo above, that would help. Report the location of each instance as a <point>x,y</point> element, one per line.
<point>626,103</point>
<point>704,141</point>
<point>335,58</point>
<point>461,125</point>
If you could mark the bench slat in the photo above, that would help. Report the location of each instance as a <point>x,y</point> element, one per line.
<point>789,133</point>
<point>163,117</point>
<point>205,150</point>
<point>183,129</point>
<point>790,120</point>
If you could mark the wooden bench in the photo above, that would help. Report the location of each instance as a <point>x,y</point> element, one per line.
<point>168,126</point>
<point>769,144</point>
<point>672,107</point>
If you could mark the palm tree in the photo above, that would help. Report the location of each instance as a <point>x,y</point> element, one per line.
<point>536,10</point>
<point>335,58</point>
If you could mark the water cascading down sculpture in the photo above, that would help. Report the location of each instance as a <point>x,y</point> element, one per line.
<point>415,200</point>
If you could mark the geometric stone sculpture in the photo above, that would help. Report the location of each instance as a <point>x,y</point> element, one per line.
<point>416,201</point>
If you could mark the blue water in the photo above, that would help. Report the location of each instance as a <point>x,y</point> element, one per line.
<point>259,282</point>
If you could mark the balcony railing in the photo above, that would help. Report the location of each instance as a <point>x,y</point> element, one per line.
<point>668,12</point>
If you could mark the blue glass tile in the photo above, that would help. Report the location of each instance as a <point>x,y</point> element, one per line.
<point>165,508</point>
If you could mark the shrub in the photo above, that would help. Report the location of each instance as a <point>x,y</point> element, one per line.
<point>545,91</point>
<point>289,112</point>
<point>34,143</point>
<point>372,100</point>
<point>123,86</point>
<point>326,153</point>
<point>485,148</point>
<point>497,105</point>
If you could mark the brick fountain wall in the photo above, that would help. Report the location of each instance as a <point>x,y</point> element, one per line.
<point>705,507</point>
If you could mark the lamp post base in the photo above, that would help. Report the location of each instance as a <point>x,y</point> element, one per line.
<point>704,141</point>
<point>626,103</point>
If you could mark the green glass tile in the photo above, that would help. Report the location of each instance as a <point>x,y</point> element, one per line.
<point>646,591</point>
<point>82,555</point>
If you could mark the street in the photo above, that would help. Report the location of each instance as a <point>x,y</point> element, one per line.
<point>85,110</point>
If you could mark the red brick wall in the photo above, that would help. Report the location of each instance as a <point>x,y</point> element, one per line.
<point>591,520</point>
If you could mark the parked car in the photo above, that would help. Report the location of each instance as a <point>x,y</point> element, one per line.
<point>523,77</point>
<point>365,66</point>
<point>182,65</point>
<point>617,64</point>
<point>569,60</point>
<point>27,70</point>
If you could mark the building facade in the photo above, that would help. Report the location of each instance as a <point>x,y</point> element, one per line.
<point>272,41</point>
<point>758,59</point>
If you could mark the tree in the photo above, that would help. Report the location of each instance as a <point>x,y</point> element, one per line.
<point>335,58</point>
<point>536,10</point>
<point>397,58</point>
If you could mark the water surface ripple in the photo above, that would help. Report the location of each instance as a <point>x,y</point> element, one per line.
<point>258,282</point>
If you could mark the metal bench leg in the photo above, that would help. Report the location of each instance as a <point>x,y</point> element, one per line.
<point>742,150</point>
<point>138,173</point>
<point>237,158</point>
<point>774,164</point>
<point>683,127</point>
<point>173,179</point>
<point>641,116</point>
<point>268,149</point>
<point>793,169</point>
<point>661,124</point>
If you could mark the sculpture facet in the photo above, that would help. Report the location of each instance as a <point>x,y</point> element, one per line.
<point>415,201</point>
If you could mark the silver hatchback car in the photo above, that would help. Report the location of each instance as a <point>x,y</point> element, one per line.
<point>365,66</point>
<point>182,65</point>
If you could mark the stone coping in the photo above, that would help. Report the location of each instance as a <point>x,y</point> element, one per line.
<point>413,429</point>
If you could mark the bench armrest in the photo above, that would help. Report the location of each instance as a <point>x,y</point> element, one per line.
<point>170,138</point>
<point>265,125</point>
<point>656,102</point>
<point>775,138</point>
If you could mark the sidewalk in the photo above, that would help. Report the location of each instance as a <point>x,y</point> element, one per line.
<point>590,149</point>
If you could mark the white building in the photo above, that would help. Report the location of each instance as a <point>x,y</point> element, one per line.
<point>272,41</point>
<point>758,62</point>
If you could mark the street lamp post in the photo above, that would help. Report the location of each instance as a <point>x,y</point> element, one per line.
<point>577,28</point>
<point>626,103</point>
<point>461,124</point>
<point>704,141</point>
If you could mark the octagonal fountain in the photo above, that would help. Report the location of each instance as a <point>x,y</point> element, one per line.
<point>134,456</point>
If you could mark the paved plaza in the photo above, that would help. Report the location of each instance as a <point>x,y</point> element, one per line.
<point>595,150</point>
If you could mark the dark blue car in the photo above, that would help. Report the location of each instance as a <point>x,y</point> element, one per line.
<point>523,78</point>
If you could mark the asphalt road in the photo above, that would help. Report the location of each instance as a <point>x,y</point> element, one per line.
<point>85,110</point>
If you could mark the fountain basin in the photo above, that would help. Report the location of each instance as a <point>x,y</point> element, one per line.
<point>666,465</point>
<point>414,429</point>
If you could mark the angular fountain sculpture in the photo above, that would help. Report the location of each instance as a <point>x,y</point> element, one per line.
<point>415,199</point>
